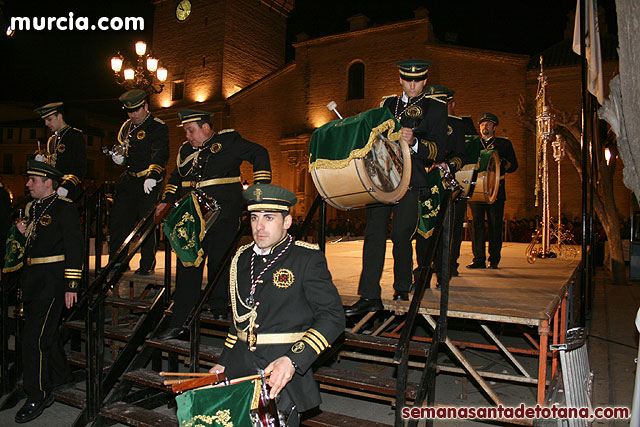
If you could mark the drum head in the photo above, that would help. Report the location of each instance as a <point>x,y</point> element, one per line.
<point>387,169</point>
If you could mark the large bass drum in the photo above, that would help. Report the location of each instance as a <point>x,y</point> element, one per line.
<point>480,181</point>
<point>370,168</point>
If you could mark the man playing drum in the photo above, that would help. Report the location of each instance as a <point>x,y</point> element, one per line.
<point>424,121</point>
<point>211,162</point>
<point>495,211</point>
<point>286,310</point>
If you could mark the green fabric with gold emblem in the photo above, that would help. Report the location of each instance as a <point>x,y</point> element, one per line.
<point>14,255</point>
<point>333,145</point>
<point>185,230</point>
<point>472,148</point>
<point>219,406</point>
<point>428,209</point>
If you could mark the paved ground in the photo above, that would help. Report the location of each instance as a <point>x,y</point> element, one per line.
<point>612,344</point>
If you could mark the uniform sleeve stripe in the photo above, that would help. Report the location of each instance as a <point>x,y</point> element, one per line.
<point>312,344</point>
<point>315,339</point>
<point>321,337</point>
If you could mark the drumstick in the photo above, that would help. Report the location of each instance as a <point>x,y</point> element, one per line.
<point>190,383</point>
<point>332,107</point>
<point>184,374</point>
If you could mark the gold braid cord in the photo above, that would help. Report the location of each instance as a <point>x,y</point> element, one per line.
<point>252,315</point>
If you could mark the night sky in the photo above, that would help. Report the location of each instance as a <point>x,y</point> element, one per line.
<point>75,65</point>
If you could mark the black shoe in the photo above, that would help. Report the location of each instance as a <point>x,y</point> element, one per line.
<point>32,410</point>
<point>172,333</point>
<point>477,265</point>
<point>144,272</point>
<point>364,305</point>
<point>401,296</point>
<point>493,266</point>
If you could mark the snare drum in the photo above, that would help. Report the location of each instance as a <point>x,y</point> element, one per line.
<point>353,164</point>
<point>480,181</point>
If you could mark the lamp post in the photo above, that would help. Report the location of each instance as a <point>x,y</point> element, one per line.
<point>147,75</point>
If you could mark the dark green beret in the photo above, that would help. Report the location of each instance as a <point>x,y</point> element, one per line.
<point>49,109</point>
<point>188,116</point>
<point>440,90</point>
<point>488,117</point>
<point>37,168</point>
<point>413,69</point>
<point>269,198</point>
<point>133,99</point>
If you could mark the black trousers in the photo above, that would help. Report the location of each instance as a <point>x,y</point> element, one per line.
<point>189,279</point>
<point>403,226</point>
<point>131,204</point>
<point>43,358</point>
<point>494,213</point>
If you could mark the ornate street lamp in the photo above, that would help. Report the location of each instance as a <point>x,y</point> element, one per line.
<point>147,75</point>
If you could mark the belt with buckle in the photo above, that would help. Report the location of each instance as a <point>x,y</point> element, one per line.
<point>210,182</point>
<point>282,338</point>
<point>45,259</point>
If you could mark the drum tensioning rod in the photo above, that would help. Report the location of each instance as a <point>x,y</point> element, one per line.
<point>332,107</point>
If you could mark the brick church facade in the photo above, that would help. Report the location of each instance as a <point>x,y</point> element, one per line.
<point>229,58</point>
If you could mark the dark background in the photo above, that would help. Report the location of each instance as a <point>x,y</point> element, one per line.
<point>39,66</point>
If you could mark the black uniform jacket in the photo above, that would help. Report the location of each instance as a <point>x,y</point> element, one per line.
<point>69,156</point>
<point>427,116</point>
<point>455,150</point>
<point>53,231</point>
<point>296,295</point>
<point>219,158</point>
<point>508,161</point>
<point>147,147</point>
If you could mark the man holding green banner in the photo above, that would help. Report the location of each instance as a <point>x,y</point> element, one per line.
<point>424,121</point>
<point>210,162</point>
<point>286,310</point>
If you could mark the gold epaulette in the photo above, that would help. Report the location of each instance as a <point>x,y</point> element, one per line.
<point>384,98</point>
<point>159,120</point>
<point>226,131</point>
<point>308,245</point>
<point>64,199</point>
<point>79,130</point>
<point>455,117</point>
<point>437,98</point>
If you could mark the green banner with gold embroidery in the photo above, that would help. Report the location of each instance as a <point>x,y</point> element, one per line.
<point>185,229</point>
<point>14,254</point>
<point>224,406</point>
<point>334,144</point>
<point>428,209</point>
<point>472,148</point>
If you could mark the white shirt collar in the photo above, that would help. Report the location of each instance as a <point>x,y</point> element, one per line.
<point>404,98</point>
<point>259,251</point>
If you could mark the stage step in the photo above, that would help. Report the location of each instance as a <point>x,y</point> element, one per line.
<point>374,384</point>
<point>329,419</point>
<point>146,378</point>
<point>207,352</point>
<point>383,344</point>
<point>133,304</point>
<point>71,396</point>
<point>118,333</point>
<point>79,359</point>
<point>132,415</point>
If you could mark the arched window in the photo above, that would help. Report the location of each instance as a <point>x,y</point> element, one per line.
<point>356,81</point>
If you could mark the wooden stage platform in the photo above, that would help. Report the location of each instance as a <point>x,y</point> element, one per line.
<point>517,293</point>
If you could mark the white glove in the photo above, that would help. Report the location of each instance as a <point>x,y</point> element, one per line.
<point>148,185</point>
<point>62,192</point>
<point>118,159</point>
<point>39,158</point>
